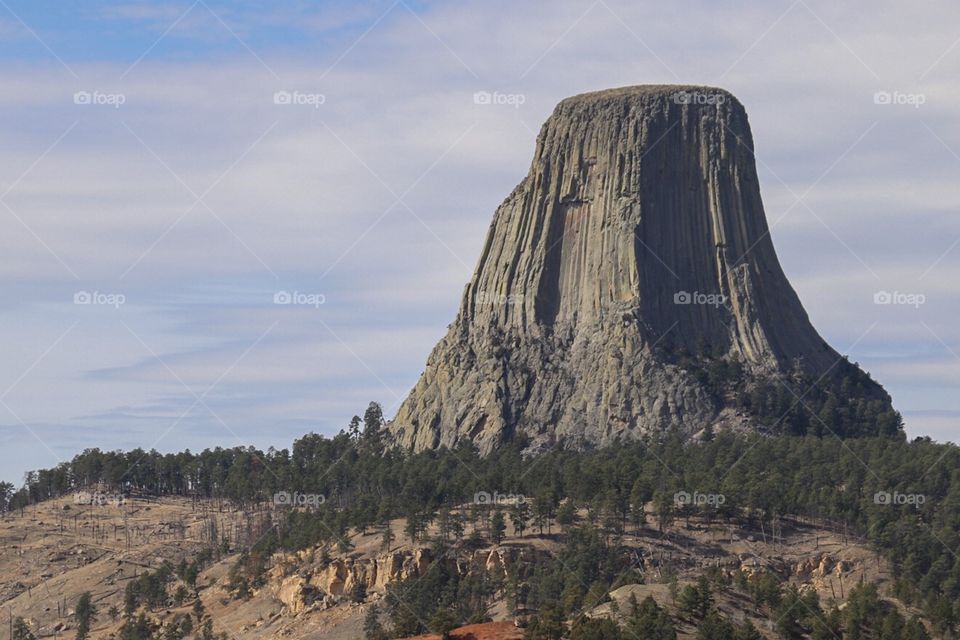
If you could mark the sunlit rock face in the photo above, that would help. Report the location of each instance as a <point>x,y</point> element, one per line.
<point>638,234</point>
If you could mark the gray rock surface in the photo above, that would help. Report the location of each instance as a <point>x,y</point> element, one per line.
<point>638,231</point>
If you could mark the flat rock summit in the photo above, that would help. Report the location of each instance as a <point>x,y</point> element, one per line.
<point>634,256</point>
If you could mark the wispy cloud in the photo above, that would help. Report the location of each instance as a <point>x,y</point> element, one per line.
<point>381,103</point>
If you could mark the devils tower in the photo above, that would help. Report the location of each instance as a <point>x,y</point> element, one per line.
<point>633,256</point>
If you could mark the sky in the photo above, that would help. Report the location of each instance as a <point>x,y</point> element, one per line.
<point>232,223</point>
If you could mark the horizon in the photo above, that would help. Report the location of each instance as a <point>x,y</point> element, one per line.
<point>233,225</point>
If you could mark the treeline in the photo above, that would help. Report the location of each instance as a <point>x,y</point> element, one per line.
<point>858,482</point>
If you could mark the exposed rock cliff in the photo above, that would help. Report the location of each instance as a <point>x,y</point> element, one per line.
<point>637,234</point>
<point>301,584</point>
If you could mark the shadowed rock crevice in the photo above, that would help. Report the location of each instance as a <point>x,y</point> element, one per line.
<point>638,233</point>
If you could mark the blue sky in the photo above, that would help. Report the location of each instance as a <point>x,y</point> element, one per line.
<point>147,159</point>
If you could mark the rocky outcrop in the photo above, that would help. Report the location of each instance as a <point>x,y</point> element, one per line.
<point>638,234</point>
<point>297,594</point>
<point>301,586</point>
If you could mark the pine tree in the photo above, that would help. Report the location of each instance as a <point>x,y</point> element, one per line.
<point>697,599</point>
<point>21,631</point>
<point>520,517</point>
<point>443,621</point>
<point>498,527</point>
<point>747,631</point>
<point>353,429</point>
<point>359,591</point>
<point>548,626</point>
<point>84,614</point>
<point>649,621</point>
<point>595,629</point>
<point>372,628</point>
<point>372,427</point>
<point>386,540</point>
<point>543,507</point>
<point>198,610</point>
<point>715,627</point>
<point>206,631</point>
<point>413,527</point>
<point>567,514</point>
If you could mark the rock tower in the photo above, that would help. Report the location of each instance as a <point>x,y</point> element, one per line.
<point>638,234</point>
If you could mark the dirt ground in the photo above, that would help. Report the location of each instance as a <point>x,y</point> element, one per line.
<point>486,631</point>
<point>55,551</point>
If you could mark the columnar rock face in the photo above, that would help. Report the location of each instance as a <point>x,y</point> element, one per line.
<point>638,233</point>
